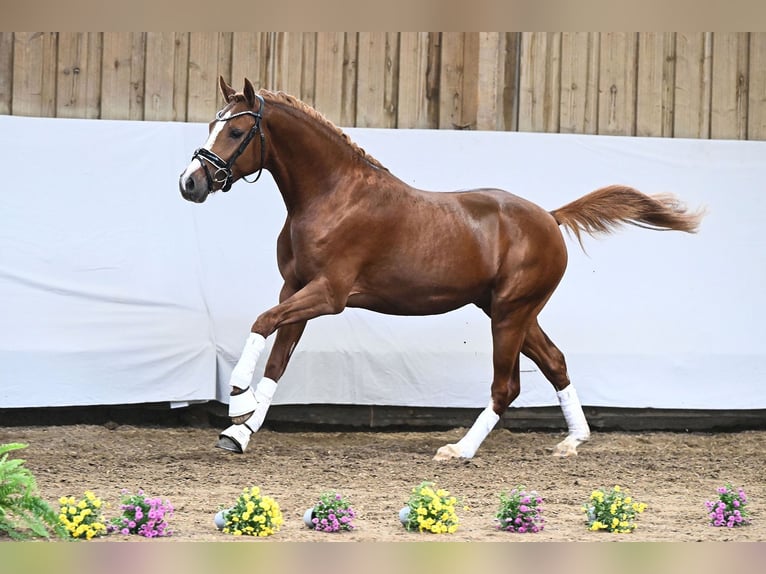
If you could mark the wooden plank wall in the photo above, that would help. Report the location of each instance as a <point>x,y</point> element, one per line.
<point>669,84</point>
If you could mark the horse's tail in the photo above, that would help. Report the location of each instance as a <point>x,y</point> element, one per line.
<point>603,210</point>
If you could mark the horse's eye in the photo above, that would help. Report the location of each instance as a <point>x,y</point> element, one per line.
<point>235,134</point>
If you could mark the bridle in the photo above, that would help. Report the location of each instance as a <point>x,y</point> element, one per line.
<point>223,174</point>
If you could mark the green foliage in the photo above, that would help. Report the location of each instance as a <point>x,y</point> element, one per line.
<point>23,514</point>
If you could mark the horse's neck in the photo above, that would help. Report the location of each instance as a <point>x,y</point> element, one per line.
<point>307,158</point>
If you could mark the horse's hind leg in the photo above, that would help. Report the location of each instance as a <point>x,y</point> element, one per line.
<point>541,350</point>
<point>507,338</point>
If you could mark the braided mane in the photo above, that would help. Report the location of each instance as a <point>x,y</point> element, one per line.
<point>292,101</point>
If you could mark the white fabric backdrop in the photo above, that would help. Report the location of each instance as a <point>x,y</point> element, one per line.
<point>114,290</point>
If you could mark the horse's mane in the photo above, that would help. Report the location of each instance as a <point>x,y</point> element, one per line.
<point>294,102</point>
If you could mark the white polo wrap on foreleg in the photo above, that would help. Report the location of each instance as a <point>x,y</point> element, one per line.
<point>261,398</point>
<point>242,374</point>
<point>243,371</point>
<point>575,418</point>
<point>485,422</point>
<point>264,392</point>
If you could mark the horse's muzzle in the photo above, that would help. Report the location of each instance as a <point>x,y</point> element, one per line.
<point>191,189</point>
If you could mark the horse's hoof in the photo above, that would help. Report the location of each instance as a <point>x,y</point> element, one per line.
<point>447,452</point>
<point>228,443</point>
<point>564,452</point>
<point>567,448</point>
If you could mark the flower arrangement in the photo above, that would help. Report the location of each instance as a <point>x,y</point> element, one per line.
<point>614,511</point>
<point>142,515</point>
<point>82,518</point>
<point>430,509</point>
<point>332,513</point>
<point>520,511</point>
<point>253,515</point>
<point>730,508</point>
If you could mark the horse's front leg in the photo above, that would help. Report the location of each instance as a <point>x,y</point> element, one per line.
<point>248,407</point>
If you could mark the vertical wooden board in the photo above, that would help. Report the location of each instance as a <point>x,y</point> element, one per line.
<point>416,106</point>
<point>692,85</point>
<point>510,96</point>
<point>540,82</point>
<point>469,108</point>
<point>34,73</point>
<point>451,80</point>
<point>6,71</point>
<point>288,62</point>
<point>491,76</point>
<point>729,98</point>
<point>122,76</point>
<point>656,72</point>
<point>224,67</point>
<point>160,87</point>
<point>78,85</point>
<point>249,60</point>
<point>374,96</point>
<point>329,74</point>
<point>531,78</point>
<point>115,76</point>
<point>391,78</point>
<point>350,79</point>
<point>756,109</point>
<point>579,82</point>
<point>181,77</point>
<point>309,68</point>
<point>617,83</point>
<point>203,97</point>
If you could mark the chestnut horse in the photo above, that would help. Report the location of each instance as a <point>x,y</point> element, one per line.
<point>357,236</point>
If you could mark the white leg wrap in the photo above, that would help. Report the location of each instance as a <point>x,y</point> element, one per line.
<point>263,395</point>
<point>261,401</point>
<point>575,418</point>
<point>242,403</point>
<point>245,367</point>
<point>240,434</point>
<point>485,422</point>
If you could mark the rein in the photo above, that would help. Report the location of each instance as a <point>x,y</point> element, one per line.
<point>223,174</point>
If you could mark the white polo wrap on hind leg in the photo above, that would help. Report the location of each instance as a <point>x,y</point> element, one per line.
<point>485,422</point>
<point>575,418</point>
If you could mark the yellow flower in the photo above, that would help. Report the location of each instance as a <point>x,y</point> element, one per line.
<point>617,488</point>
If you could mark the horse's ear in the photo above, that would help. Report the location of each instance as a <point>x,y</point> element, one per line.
<point>226,90</point>
<point>249,93</point>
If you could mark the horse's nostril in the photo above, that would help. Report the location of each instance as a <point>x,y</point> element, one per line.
<point>189,184</point>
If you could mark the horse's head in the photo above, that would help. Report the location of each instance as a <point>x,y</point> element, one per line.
<point>228,153</point>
